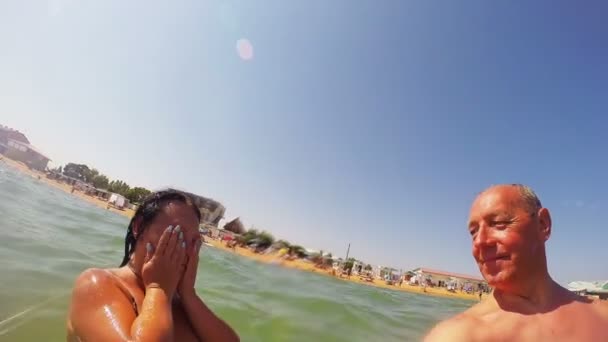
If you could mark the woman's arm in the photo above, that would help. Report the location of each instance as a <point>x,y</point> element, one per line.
<point>155,321</point>
<point>206,325</point>
<point>100,311</point>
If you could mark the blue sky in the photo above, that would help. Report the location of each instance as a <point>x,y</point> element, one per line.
<point>367,122</point>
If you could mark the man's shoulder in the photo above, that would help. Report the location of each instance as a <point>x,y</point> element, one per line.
<point>457,328</point>
<point>464,326</point>
<point>602,308</point>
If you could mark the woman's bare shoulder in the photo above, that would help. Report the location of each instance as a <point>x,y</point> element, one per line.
<point>99,308</point>
<point>91,274</point>
<point>94,278</point>
<point>98,286</point>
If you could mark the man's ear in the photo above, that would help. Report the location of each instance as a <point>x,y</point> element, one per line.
<point>544,219</point>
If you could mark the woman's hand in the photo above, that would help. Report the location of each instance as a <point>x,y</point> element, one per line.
<point>163,265</point>
<point>185,288</point>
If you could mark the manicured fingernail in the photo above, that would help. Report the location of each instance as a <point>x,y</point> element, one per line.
<point>181,235</point>
<point>177,229</point>
<point>149,247</point>
<point>170,228</point>
<point>183,244</point>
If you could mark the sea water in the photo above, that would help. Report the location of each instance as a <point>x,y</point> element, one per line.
<point>47,237</point>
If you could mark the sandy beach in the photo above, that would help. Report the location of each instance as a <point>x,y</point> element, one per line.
<point>244,252</point>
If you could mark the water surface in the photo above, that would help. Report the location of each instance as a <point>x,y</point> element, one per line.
<point>47,237</point>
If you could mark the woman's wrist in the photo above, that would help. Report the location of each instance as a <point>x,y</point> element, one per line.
<point>188,295</point>
<point>156,291</point>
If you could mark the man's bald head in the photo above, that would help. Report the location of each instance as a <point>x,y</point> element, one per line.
<point>528,197</point>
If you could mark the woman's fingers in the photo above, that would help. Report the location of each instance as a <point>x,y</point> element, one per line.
<point>196,250</point>
<point>180,254</point>
<point>192,253</point>
<point>149,252</point>
<point>164,241</point>
<point>193,249</point>
<point>173,241</point>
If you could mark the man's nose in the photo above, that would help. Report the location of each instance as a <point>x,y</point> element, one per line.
<point>483,237</point>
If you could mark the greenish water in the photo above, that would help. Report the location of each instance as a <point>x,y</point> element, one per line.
<point>47,237</point>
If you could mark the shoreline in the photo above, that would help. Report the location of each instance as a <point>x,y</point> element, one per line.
<point>243,252</point>
<point>62,186</point>
<point>306,266</point>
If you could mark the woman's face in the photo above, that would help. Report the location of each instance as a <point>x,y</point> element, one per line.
<point>174,214</point>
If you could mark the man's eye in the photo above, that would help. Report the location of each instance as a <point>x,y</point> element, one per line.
<point>473,231</point>
<point>499,224</point>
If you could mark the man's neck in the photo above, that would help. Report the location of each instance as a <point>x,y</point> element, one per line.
<point>539,294</point>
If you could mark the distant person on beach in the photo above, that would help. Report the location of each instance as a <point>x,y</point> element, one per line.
<point>151,297</point>
<point>509,229</point>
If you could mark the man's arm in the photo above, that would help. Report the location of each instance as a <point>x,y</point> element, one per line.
<point>206,325</point>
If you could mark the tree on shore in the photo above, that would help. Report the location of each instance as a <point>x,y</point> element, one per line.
<point>101,182</point>
<point>119,187</point>
<point>264,240</point>
<point>282,244</point>
<point>328,260</point>
<point>77,171</point>
<point>247,237</point>
<point>348,265</point>
<point>90,174</point>
<point>137,194</point>
<point>298,251</point>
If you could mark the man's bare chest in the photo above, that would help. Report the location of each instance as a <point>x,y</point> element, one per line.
<point>548,328</point>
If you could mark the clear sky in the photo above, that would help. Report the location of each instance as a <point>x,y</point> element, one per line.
<point>367,122</point>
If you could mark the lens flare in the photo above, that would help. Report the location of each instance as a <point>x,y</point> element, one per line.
<point>244,49</point>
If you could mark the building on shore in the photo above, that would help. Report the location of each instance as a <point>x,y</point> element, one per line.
<point>7,133</point>
<point>218,233</point>
<point>598,289</point>
<point>444,279</point>
<point>212,211</point>
<point>230,231</point>
<point>26,154</point>
<point>101,194</point>
<point>16,146</point>
<point>235,226</point>
<point>118,201</point>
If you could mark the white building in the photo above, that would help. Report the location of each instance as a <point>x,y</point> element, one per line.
<point>443,278</point>
<point>118,201</point>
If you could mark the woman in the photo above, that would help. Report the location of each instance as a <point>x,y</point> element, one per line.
<point>151,297</point>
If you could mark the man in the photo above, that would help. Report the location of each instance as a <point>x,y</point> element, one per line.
<point>509,228</point>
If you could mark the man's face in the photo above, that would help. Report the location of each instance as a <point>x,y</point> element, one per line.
<point>506,237</point>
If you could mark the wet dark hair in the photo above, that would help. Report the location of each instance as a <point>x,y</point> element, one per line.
<point>147,212</point>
